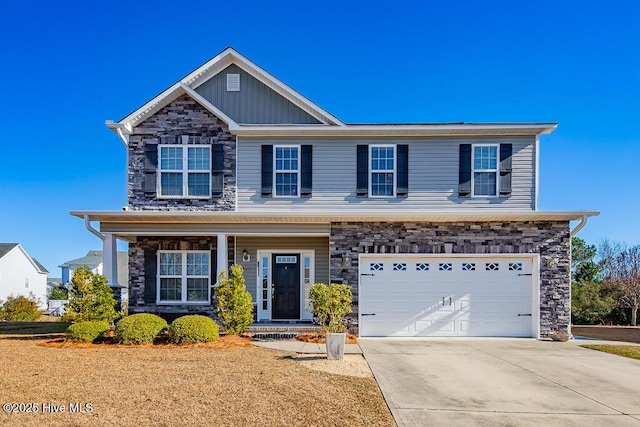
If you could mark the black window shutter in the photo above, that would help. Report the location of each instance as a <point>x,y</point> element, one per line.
<point>214,270</point>
<point>464,171</point>
<point>362,185</point>
<point>267,170</point>
<point>505,169</point>
<point>402,167</point>
<point>150,169</point>
<point>217,170</point>
<point>306,178</point>
<point>150,271</point>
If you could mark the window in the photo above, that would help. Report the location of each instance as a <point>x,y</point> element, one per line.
<point>376,266</point>
<point>287,171</point>
<point>422,266</point>
<point>515,266</point>
<point>445,266</point>
<point>485,170</point>
<point>185,171</point>
<point>468,266</point>
<point>492,266</point>
<point>382,167</point>
<point>399,266</point>
<point>183,276</point>
<point>26,282</point>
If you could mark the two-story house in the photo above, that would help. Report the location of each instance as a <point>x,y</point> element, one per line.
<point>434,226</point>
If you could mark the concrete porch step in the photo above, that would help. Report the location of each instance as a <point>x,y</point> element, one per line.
<point>281,331</point>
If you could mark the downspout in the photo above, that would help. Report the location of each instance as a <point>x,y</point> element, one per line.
<point>578,227</point>
<point>121,135</point>
<point>87,224</point>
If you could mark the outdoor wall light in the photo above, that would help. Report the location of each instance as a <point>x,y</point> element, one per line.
<point>245,256</point>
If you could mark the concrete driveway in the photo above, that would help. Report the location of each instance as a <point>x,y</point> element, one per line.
<point>503,382</point>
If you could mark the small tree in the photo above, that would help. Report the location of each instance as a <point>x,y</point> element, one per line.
<point>590,303</point>
<point>621,274</point>
<point>331,303</point>
<point>90,298</point>
<point>235,307</point>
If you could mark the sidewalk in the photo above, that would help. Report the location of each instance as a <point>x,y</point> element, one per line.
<point>296,346</point>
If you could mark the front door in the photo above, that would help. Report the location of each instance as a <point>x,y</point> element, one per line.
<point>286,286</point>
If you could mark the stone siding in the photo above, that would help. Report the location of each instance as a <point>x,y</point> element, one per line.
<point>549,239</point>
<point>137,272</point>
<point>183,116</point>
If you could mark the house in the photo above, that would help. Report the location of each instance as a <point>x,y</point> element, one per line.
<point>436,227</point>
<point>93,261</point>
<point>21,274</point>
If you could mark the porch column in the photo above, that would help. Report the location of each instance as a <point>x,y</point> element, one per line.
<point>221,252</point>
<point>110,259</point>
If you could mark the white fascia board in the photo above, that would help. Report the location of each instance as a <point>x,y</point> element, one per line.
<point>516,129</point>
<point>33,263</point>
<point>337,216</point>
<point>152,106</point>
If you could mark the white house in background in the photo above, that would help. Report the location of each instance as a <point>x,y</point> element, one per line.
<point>93,260</point>
<point>20,274</point>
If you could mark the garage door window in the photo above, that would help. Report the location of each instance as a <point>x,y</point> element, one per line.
<point>468,266</point>
<point>515,266</point>
<point>445,266</point>
<point>492,266</point>
<point>399,266</point>
<point>422,266</point>
<point>376,266</point>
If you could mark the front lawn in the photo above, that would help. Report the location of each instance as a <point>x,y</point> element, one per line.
<point>167,385</point>
<point>630,351</point>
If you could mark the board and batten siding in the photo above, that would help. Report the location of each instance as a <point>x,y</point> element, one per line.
<point>253,244</point>
<point>433,175</point>
<point>255,103</point>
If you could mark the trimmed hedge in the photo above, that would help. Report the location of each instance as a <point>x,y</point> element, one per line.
<point>87,331</point>
<point>192,329</point>
<point>140,328</point>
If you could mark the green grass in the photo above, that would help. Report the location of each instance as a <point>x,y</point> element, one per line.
<point>32,328</point>
<point>631,351</point>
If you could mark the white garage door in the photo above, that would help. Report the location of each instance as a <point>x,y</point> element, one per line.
<point>410,295</point>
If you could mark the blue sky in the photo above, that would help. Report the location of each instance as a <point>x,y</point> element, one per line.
<point>69,66</point>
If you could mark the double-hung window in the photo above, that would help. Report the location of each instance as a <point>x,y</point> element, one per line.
<point>185,171</point>
<point>485,170</point>
<point>382,168</point>
<point>183,276</point>
<point>286,171</point>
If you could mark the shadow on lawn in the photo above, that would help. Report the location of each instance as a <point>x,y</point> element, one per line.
<point>32,330</point>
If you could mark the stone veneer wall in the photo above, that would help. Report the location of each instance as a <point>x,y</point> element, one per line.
<point>549,239</point>
<point>183,116</point>
<point>137,272</point>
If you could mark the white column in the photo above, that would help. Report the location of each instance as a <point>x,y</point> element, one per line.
<point>221,251</point>
<point>110,259</point>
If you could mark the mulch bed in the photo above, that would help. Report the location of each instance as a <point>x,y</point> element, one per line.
<point>224,342</point>
<point>320,338</point>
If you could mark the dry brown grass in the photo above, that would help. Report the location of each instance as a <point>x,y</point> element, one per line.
<point>167,385</point>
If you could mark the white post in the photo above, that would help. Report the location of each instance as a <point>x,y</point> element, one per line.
<point>221,252</point>
<point>110,259</point>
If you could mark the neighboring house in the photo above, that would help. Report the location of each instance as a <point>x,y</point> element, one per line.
<point>93,260</point>
<point>20,274</point>
<point>436,227</point>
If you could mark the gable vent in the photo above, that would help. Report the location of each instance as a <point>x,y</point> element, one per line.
<point>233,82</point>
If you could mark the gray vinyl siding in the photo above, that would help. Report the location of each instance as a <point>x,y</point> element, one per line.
<point>255,103</point>
<point>253,244</point>
<point>433,175</point>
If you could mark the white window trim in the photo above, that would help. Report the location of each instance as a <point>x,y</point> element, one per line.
<point>372,171</point>
<point>275,171</point>
<point>185,171</point>
<point>474,170</point>
<point>183,277</point>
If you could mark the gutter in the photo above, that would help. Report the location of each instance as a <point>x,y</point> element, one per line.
<point>578,227</point>
<point>117,128</point>
<point>87,224</point>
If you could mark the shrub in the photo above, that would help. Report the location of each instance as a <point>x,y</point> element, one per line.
<point>140,328</point>
<point>87,331</point>
<point>235,307</point>
<point>20,308</point>
<point>90,298</point>
<point>331,303</point>
<point>192,329</point>
<point>59,293</point>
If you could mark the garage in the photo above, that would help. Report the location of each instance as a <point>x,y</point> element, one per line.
<point>448,295</point>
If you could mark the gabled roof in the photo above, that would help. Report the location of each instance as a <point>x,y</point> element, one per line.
<point>205,72</point>
<point>329,124</point>
<point>94,258</point>
<point>5,248</point>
